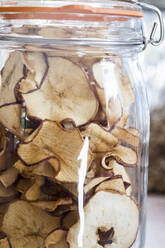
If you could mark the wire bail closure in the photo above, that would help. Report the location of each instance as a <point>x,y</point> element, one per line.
<point>152,40</point>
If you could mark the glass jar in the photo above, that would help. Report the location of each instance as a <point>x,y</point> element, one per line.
<point>74,124</point>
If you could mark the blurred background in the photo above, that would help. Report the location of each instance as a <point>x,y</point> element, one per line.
<point>153,61</point>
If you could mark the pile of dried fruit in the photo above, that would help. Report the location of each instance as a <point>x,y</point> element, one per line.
<point>49,106</point>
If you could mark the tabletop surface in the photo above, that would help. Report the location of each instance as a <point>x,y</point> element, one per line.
<point>156,222</point>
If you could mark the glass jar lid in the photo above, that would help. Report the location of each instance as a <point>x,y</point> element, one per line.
<point>76,10</point>
<point>119,22</point>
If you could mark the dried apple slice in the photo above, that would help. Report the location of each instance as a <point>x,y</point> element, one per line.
<point>42,169</point>
<point>68,124</point>
<point>10,118</point>
<point>62,210</point>
<point>26,225</point>
<point>22,169</point>
<point>114,90</point>
<point>69,219</point>
<point>63,94</point>
<point>11,74</point>
<point>123,121</point>
<point>27,85</point>
<point>101,117</point>
<point>114,112</point>
<point>134,131</point>
<point>4,243</point>
<point>115,224</point>
<point>54,32</point>
<point>123,155</point>
<point>112,107</point>
<point>24,184</point>
<point>8,177</point>
<point>54,141</point>
<point>3,149</point>
<point>46,169</point>
<point>106,71</point>
<point>28,242</point>
<point>37,64</point>
<point>100,139</point>
<point>93,183</point>
<point>51,206</point>
<point>71,188</point>
<point>26,29</point>
<point>120,170</point>
<point>125,136</point>
<point>7,194</point>
<point>34,192</point>
<point>116,184</point>
<point>127,92</point>
<point>91,173</point>
<point>56,239</point>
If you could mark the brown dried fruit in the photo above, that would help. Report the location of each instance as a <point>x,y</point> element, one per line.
<point>54,32</point>
<point>123,155</point>
<point>27,226</point>
<point>124,221</point>
<point>114,91</point>
<point>37,65</point>
<point>111,106</point>
<point>100,139</point>
<point>94,182</point>
<point>114,112</point>
<point>44,169</point>
<point>71,188</point>
<point>27,85</point>
<point>56,239</point>
<point>60,96</point>
<point>127,92</point>
<point>68,124</point>
<point>120,170</point>
<point>11,74</point>
<point>62,210</point>
<point>91,173</point>
<point>34,192</point>
<point>125,136</point>
<point>70,219</point>
<point>3,149</point>
<point>7,194</point>
<point>134,131</point>
<point>8,177</point>
<point>47,168</point>
<point>52,188</point>
<point>51,206</point>
<point>100,118</point>
<point>26,29</point>
<point>54,141</point>
<point>4,243</point>
<point>26,171</point>
<point>10,118</point>
<point>24,184</point>
<point>108,75</point>
<point>123,121</point>
<point>112,184</point>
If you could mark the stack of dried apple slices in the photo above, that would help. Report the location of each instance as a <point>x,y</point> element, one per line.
<point>49,104</point>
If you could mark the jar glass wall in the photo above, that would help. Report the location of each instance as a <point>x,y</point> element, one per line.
<point>74,134</point>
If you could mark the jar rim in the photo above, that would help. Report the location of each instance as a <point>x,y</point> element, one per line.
<point>80,10</point>
<point>74,8</point>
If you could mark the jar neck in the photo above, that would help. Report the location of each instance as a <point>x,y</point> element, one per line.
<point>68,28</point>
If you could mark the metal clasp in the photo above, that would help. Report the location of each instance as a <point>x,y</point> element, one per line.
<point>152,40</point>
